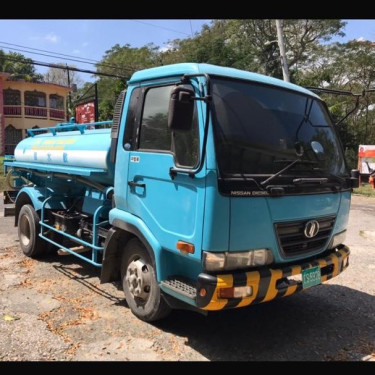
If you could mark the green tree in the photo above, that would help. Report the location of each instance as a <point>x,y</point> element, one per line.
<point>209,46</point>
<point>251,44</point>
<point>18,66</point>
<point>122,61</point>
<point>349,67</point>
<point>256,48</point>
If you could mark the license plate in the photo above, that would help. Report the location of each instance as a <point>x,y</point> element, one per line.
<point>311,277</point>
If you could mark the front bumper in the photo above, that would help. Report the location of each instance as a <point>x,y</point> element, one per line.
<point>267,283</point>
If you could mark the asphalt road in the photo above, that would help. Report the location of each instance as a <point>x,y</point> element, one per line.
<point>56,309</point>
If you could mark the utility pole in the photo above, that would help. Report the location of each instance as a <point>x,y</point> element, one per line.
<point>280,41</point>
<point>69,95</point>
<point>96,102</point>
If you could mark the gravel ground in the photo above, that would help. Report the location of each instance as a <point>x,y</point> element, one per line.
<point>57,310</point>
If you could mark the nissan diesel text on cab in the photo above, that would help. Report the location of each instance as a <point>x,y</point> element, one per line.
<point>215,188</point>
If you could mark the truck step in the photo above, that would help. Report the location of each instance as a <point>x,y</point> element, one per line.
<point>9,210</point>
<point>181,286</point>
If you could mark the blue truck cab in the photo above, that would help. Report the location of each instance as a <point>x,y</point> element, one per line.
<point>214,188</point>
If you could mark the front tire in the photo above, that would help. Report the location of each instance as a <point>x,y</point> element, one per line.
<point>142,291</point>
<point>28,232</point>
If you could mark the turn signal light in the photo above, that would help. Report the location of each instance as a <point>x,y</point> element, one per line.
<point>185,247</point>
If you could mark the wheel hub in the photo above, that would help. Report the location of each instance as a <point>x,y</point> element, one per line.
<point>138,279</point>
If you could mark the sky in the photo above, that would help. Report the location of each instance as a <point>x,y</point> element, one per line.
<point>90,39</point>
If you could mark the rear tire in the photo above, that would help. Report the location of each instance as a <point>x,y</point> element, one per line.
<point>142,291</point>
<point>28,233</point>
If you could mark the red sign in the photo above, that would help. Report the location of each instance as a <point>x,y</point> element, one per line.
<point>366,159</point>
<point>85,113</point>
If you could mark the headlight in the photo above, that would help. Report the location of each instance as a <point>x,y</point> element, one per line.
<point>337,239</point>
<point>236,260</point>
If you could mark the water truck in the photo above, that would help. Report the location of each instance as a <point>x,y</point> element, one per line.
<point>212,188</point>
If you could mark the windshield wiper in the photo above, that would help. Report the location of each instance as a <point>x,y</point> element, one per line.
<point>300,181</point>
<point>293,162</point>
<point>341,180</point>
<point>290,161</point>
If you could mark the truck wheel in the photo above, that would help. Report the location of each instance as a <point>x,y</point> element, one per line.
<point>141,288</point>
<point>28,229</point>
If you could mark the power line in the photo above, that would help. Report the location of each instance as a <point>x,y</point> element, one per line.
<point>191,29</point>
<point>49,65</point>
<point>44,54</point>
<point>83,60</point>
<point>70,59</point>
<point>43,50</point>
<point>161,27</point>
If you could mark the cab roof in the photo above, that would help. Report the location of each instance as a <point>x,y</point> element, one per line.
<point>194,68</point>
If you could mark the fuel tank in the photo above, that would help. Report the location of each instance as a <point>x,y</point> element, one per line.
<point>70,149</point>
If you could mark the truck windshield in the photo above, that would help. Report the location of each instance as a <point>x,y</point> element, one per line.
<point>259,129</point>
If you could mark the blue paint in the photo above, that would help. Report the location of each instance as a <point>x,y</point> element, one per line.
<point>193,68</point>
<point>252,220</point>
<point>126,217</point>
<point>216,217</point>
<point>92,200</point>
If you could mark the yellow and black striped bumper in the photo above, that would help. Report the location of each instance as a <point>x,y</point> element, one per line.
<point>267,283</point>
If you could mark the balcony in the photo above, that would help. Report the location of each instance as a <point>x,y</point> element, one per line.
<point>57,114</point>
<point>37,112</point>
<point>12,111</point>
<point>34,112</point>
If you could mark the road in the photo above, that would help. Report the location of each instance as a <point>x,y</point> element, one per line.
<point>56,309</point>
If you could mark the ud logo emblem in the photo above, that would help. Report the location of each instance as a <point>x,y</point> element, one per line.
<point>311,229</point>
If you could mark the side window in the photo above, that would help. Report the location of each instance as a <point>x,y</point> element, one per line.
<point>155,134</point>
<point>131,119</point>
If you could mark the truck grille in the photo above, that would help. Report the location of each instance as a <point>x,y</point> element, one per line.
<point>292,239</point>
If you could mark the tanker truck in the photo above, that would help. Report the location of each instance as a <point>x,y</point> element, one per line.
<point>212,188</point>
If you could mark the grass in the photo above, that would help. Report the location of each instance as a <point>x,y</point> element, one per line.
<point>366,190</point>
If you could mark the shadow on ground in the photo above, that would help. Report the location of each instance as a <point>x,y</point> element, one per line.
<point>330,322</point>
<point>84,273</point>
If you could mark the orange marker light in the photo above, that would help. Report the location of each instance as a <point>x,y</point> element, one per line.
<point>202,292</point>
<point>185,247</point>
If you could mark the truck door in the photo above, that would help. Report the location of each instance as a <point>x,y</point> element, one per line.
<point>171,208</point>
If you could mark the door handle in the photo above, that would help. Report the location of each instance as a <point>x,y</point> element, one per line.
<point>132,183</point>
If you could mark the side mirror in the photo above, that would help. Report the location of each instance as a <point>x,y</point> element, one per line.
<point>354,177</point>
<point>181,109</point>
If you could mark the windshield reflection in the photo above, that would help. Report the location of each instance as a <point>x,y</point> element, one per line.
<point>257,127</point>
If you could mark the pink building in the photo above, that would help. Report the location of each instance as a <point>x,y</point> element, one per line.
<point>25,105</point>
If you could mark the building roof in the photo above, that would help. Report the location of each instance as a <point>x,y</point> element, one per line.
<point>5,77</point>
<point>194,68</point>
